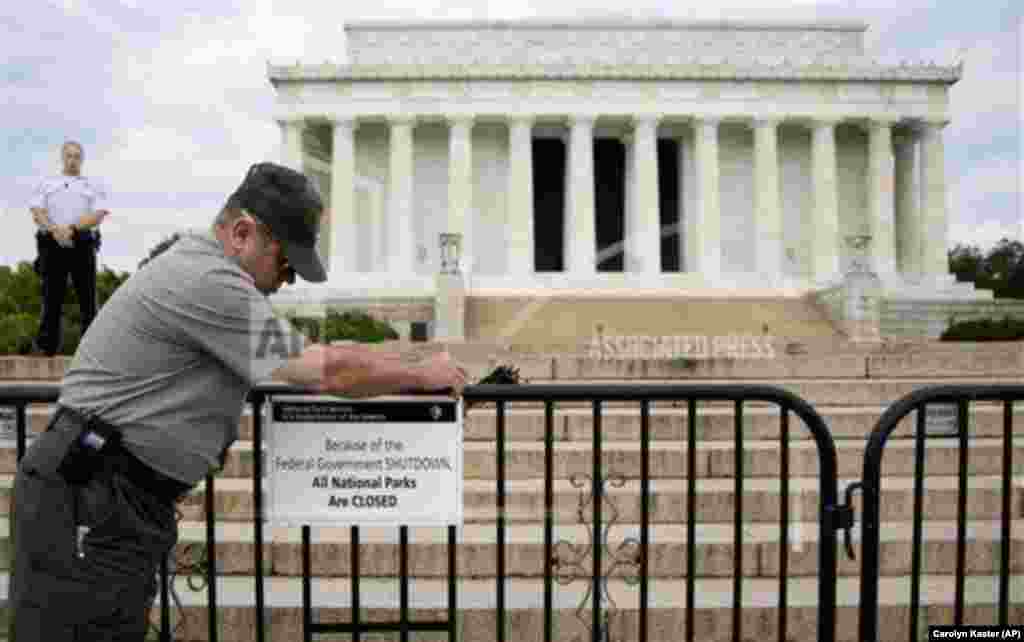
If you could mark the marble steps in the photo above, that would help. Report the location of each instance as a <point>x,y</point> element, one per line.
<point>714,550</point>
<point>668,422</point>
<point>818,392</point>
<point>715,501</point>
<point>476,617</point>
<point>787,359</point>
<point>668,459</point>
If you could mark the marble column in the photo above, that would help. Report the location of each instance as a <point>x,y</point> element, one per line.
<point>825,197</point>
<point>291,143</point>
<point>685,209</point>
<point>519,194</point>
<point>705,228</point>
<point>881,205</point>
<point>907,217</point>
<point>643,227</point>
<point>628,141</point>
<point>767,199</point>
<point>460,186</point>
<point>580,228</point>
<point>399,227</point>
<point>934,257</point>
<point>342,256</point>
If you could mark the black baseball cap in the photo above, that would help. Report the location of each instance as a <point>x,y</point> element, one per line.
<point>289,204</point>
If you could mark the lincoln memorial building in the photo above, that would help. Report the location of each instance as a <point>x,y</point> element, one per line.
<point>490,180</point>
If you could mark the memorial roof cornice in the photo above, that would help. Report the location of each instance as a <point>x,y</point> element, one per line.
<point>615,23</point>
<point>738,70</point>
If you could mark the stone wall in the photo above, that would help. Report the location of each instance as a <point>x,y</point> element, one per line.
<point>594,42</point>
<point>570,324</point>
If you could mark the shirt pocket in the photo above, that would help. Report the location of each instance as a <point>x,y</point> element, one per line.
<point>89,195</point>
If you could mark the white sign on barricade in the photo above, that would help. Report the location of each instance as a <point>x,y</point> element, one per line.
<point>387,461</point>
<point>8,425</point>
<point>940,420</point>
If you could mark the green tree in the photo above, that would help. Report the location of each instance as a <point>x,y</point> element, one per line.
<point>350,325</point>
<point>965,262</point>
<point>999,269</point>
<point>17,332</point>
<point>107,281</point>
<point>1002,258</point>
<point>19,290</point>
<point>1001,262</point>
<point>1016,281</point>
<point>21,305</point>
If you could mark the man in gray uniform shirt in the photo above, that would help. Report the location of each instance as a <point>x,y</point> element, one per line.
<point>153,398</point>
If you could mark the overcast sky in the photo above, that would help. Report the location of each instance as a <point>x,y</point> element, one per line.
<point>172,102</point>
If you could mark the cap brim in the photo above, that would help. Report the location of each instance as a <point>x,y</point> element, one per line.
<point>306,262</point>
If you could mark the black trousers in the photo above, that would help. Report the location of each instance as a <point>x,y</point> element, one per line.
<point>55,265</point>
<point>95,585</point>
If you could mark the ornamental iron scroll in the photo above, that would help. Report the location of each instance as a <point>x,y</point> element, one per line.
<point>570,561</point>
<point>191,561</point>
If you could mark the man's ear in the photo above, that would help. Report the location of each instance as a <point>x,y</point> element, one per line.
<point>250,224</point>
<point>239,231</point>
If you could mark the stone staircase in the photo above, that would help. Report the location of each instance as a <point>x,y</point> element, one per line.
<point>932,317</point>
<point>848,385</point>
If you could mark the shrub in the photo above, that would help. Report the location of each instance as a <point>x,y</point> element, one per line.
<point>71,336</point>
<point>17,332</point>
<point>21,305</point>
<point>345,326</point>
<point>985,330</point>
<point>20,288</point>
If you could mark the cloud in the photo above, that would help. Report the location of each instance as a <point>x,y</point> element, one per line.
<point>165,162</point>
<point>984,234</point>
<point>988,91</point>
<point>999,179</point>
<point>17,223</point>
<point>128,236</point>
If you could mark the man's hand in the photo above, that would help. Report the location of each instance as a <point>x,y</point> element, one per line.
<point>94,219</point>
<point>440,372</point>
<point>40,216</point>
<point>63,234</point>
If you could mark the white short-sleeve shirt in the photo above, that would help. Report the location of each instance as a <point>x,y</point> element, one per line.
<point>68,198</point>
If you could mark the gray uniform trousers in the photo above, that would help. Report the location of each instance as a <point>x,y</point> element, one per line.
<point>98,589</point>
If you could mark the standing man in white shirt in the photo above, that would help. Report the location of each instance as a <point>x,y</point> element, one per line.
<point>68,210</point>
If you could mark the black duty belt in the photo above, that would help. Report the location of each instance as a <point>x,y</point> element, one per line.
<point>77,236</point>
<point>116,457</point>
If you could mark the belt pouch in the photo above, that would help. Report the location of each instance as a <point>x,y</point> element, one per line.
<point>84,457</point>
